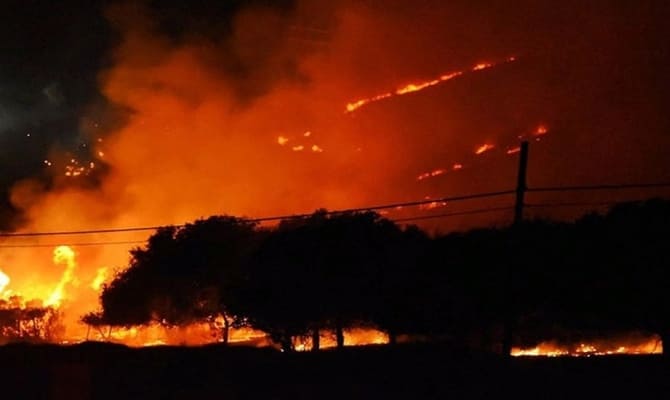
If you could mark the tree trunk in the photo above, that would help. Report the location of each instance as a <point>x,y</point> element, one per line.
<point>316,340</point>
<point>287,344</point>
<point>339,335</point>
<point>226,330</point>
<point>393,338</point>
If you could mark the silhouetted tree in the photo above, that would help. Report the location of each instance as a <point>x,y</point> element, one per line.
<point>405,292</point>
<point>320,272</point>
<point>183,275</point>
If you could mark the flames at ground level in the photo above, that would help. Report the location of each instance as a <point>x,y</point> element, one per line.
<point>44,317</point>
<point>632,344</point>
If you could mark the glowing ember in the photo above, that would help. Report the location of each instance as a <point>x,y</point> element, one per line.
<point>417,86</point>
<point>317,149</point>
<point>432,204</point>
<point>484,148</point>
<point>482,66</point>
<point>298,148</point>
<point>282,140</point>
<point>457,166</point>
<point>436,172</point>
<point>541,130</point>
<point>513,150</point>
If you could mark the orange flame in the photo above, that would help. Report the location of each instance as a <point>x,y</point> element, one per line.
<point>4,281</point>
<point>649,345</point>
<point>352,337</point>
<point>484,148</point>
<point>433,173</point>
<point>513,150</point>
<point>417,86</point>
<point>482,66</point>
<point>541,130</point>
<point>62,255</point>
<point>100,278</point>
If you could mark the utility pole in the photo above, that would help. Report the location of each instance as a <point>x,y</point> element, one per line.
<point>521,183</point>
<point>510,317</point>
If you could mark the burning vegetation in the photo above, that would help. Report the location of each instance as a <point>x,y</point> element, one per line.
<point>253,124</point>
<point>336,279</point>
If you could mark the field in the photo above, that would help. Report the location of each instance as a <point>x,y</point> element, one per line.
<point>103,371</point>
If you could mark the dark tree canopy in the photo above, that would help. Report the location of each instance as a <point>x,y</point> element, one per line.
<point>332,271</point>
<point>183,275</point>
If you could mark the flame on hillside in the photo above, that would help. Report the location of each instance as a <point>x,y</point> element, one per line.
<point>200,140</point>
<point>484,148</point>
<point>417,86</point>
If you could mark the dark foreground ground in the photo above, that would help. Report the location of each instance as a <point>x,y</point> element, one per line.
<point>103,371</point>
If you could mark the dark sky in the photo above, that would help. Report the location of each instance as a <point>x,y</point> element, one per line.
<point>52,54</point>
<point>596,71</point>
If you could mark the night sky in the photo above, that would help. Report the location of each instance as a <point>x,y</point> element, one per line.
<point>77,73</point>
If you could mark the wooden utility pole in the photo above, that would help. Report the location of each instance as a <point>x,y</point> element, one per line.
<point>521,183</point>
<point>509,322</point>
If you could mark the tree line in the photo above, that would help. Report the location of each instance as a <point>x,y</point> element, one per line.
<point>600,274</point>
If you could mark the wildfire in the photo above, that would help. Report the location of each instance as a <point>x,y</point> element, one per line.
<point>417,86</point>
<point>513,150</point>
<point>484,148</point>
<point>540,130</point>
<point>436,172</point>
<point>352,337</point>
<point>649,345</point>
<point>4,281</point>
<point>74,168</point>
<point>99,279</point>
<point>63,255</point>
<point>432,204</point>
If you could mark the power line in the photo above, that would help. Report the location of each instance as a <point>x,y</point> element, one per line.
<point>83,232</point>
<point>360,209</point>
<point>577,204</point>
<point>266,219</point>
<point>37,245</point>
<point>454,214</point>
